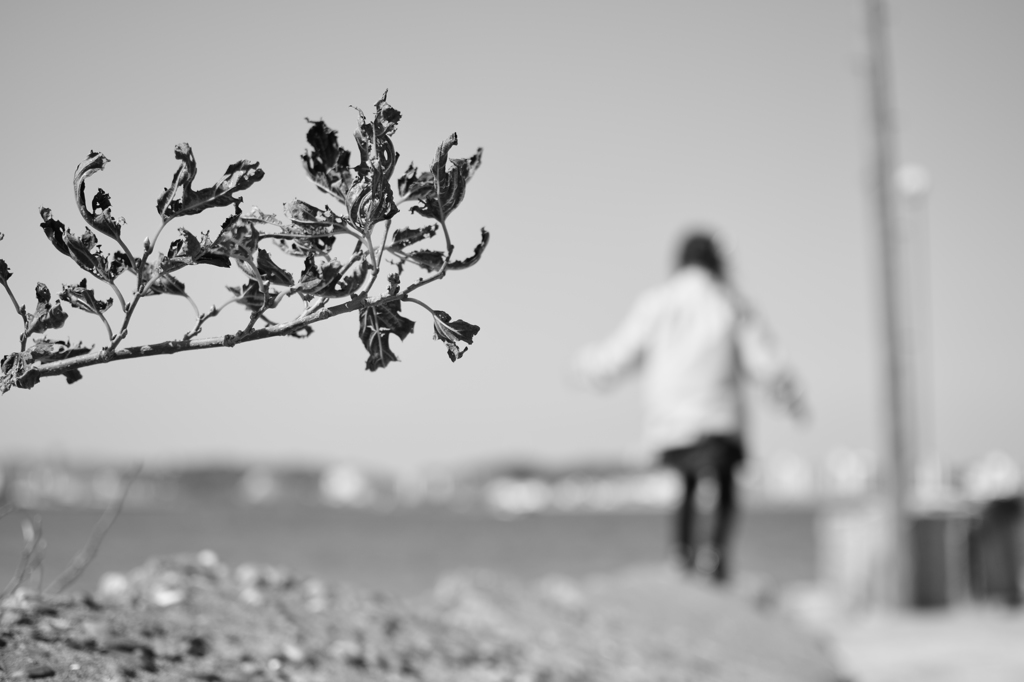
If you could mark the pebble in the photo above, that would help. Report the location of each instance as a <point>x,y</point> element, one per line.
<point>164,596</point>
<point>113,588</point>
<point>293,653</point>
<point>198,647</point>
<point>38,672</point>
<point>207,558</point>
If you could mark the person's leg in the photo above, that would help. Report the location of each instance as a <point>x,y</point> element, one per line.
<point>724,514</point>
<point>684,520</point>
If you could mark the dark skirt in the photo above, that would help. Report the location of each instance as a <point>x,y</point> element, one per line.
<point>707,457</point>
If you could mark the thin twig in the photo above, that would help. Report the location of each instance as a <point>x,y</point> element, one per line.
<point>127,251</point>
<point>195,308</point>
<point>264,292</point>
<point>20,310</point>
<point>143,290</point>
<point>32,532</point>
<point>447,242</point>
<point>117,292</point>
<point>378,259</point>
<point>88,553</point>
<point>110,332</point>
<point>212,312</point>
<point>420,303</point>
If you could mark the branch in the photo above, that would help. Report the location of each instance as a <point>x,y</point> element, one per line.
<point>117,292</point>
<point>447,242</point>
<point>378,258</point>
<point>32,532</point>
<point>139,294</point>
<point>110,333</point>
<point>18,308</point>
<point>212,312</point>
<point>179,346</point>
<point>420,303</point>
<point>88,553</point>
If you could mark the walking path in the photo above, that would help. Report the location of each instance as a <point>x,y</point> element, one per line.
<point>967,643</point>
<point>720,634</point>
<point>739,634</point>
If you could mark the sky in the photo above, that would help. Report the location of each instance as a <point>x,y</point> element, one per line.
<point>607,128</point>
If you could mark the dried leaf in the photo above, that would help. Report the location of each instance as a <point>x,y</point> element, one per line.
<point>349,284</point>
<point>371,198</point>
<point>319,225</point>
<point>83,298</point>
<point>316,278</point>
<point>327,163</point>
<point>45,316</point>
<point>252,297</point>
<point>272,273</point>
<point>376,150</point>
<point>407,236</point>
<point>451,183</point>
<point>452,333</point>
<point>238,176</point>
<point>188,250</point>
<point>327,280</point>
<point>372,201</point>
<point>238,239</point>
<point>309,220</point>
<point>98,216</point>
<point>54,230</point>
<point>45,350</point>
<point>162,283</point>
<point>84,250</point>
<point>485,238</point>
<point>15,370</point>
<point>429,260</point>
<point>376,325</point>
<point>118,263</point>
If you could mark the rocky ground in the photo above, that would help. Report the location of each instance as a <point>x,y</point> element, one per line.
<point>195,618</point>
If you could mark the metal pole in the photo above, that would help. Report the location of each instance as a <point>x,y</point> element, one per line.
<point>896,404</point>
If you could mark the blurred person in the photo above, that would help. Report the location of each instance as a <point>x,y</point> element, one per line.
<point>694,340</point>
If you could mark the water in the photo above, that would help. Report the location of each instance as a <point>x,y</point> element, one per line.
<point>403,552</point>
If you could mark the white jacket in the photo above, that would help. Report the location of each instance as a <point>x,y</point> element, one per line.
<point>694,341</point>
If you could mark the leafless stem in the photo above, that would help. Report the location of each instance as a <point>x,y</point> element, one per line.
<point>195,308</point>
<point>263,307</point>
<point>88,553</point>
<point>117,292</point>
<point>419,303</point>
<point>447,243</point>
<point>378,258</point>
<point>21,311</point>
<point>143,289</point>
<point>32,532</point>
<point>110,333</point>
<point>131,258</point>
<point>212,312</point>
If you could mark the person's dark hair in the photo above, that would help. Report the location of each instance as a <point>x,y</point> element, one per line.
<point>699,249</point>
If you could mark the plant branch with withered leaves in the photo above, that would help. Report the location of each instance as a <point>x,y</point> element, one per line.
<point>327,286</point>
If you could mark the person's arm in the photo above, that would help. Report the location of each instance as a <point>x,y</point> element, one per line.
<point>602,364</point>
<point>763,363</point>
